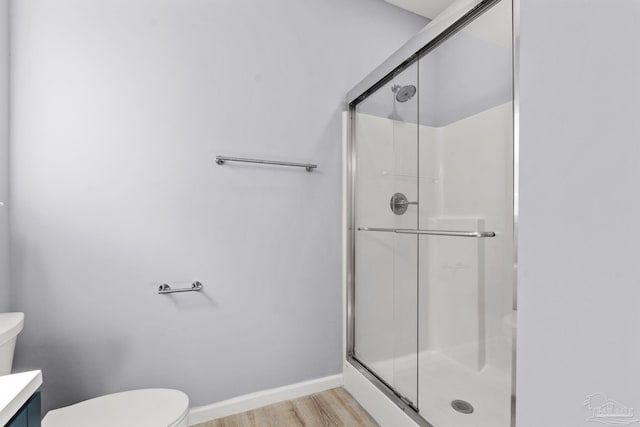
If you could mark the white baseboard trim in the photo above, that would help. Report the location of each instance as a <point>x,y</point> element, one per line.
<point>248,402</point>
<point>380,407</point>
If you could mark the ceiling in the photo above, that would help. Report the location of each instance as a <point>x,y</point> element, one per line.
<point>427,8</point>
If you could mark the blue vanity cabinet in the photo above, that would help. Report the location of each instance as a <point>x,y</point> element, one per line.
<point>29,415</point>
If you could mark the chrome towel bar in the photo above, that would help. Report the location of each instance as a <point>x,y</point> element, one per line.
<point>308,166</point>
<point>166,289</point>
<point>476,234</point>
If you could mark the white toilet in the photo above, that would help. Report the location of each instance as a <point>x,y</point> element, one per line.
<point>10,326</point>
<point>137,408</point>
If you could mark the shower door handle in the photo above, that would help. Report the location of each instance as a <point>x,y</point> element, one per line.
<point>450,233</point>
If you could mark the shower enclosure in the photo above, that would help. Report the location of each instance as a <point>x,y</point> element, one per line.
<point>431,260</point>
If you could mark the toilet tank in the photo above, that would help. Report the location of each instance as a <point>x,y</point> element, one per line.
<point>10,326</point>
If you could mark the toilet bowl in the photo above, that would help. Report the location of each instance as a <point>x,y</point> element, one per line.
<point>10,326</point>
<point>136,408</point>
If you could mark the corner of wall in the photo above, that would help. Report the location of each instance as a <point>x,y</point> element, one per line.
<point>4,156</point>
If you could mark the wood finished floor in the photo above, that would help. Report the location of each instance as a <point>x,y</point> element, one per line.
<point>332,408</point>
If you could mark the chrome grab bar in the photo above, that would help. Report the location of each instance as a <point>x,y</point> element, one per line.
<point>166,289</point>
<point>476,234</point>
<point>308,166</point>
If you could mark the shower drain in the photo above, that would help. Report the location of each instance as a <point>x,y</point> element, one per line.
<point>462,406</point>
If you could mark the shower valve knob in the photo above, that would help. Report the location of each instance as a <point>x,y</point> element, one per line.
<point>399,203</point>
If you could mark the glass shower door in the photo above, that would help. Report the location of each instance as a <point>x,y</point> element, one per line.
<point>466,186</point>
<point>433,227</point>
<point>386,263</point>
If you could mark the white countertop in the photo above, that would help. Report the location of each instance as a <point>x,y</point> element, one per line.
<point>15,390</point>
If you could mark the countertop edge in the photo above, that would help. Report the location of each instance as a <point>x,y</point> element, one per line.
<point>30,387</point>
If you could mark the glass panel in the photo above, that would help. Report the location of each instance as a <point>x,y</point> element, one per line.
<point>466,183</point>
<point>386,318</point>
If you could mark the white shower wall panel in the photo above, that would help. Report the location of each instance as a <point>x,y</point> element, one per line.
<point>387,164</point>
<point>454,274</point>
<point>465,285</point>
<point>477,182</point>
<point>386,264</point>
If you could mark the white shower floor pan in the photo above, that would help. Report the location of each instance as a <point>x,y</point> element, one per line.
<point>442,380</point>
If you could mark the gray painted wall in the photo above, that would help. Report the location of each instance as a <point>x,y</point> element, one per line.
<point>119,108</point>
<point>465,76</point>
<point>462,77</point>
<point>4,155</point>
<point>579,275</point>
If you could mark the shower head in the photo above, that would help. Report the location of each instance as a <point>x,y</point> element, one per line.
<point>404,93</point>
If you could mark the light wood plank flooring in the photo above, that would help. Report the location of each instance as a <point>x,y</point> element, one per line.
<point>332,408</point>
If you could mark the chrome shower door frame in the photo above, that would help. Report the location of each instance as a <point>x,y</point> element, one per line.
<point>420,45</point>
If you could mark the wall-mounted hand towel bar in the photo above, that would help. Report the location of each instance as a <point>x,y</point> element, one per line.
<point>166,289</point>
<point>477,234</point>
<point>308,166</point>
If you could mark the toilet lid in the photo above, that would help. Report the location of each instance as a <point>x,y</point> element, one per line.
<point>136,408</point>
